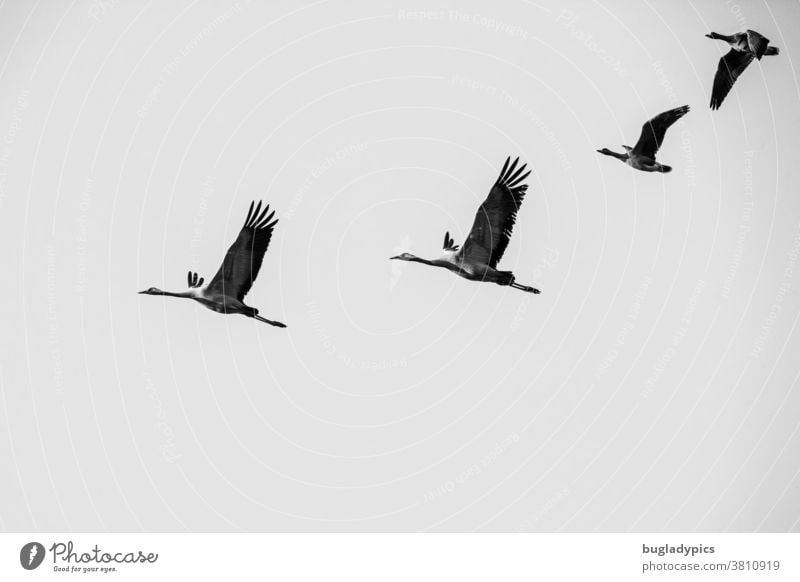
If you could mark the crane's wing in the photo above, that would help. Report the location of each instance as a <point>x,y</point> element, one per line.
<point>757,43</point>
<point>449,243</point>
<point>195,280</point>
<point>653,131</point>
<point>491,231</point>
<point>730,67</point>
<point>243,260</point>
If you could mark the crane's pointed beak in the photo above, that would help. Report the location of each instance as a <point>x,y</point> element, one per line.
<point>709,36</point>
<point>395,257</point>
<point>142,292</point>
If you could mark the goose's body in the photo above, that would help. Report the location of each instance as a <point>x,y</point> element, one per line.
<point>226,291</point>
<point>477,258</point>
<point>642,156</point>
<point>745,46</point>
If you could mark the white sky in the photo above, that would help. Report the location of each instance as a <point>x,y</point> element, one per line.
<point>650,387</point>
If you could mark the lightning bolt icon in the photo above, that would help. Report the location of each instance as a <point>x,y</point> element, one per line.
<point>34,551</point>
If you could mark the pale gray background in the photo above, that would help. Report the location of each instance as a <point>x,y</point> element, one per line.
<point>652,386</point>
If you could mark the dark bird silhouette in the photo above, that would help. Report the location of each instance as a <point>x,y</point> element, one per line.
<point>643,155</point>
<point>477,258</point>
<point>226,291</point>
<point>745,46</point>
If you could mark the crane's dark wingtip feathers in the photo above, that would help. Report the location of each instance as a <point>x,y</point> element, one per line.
<point>449,243</point>
<point>517,181</point>
<point>194,280</point>
<point>512,177</point>
<point>259,219</point>
<point>505,167</point>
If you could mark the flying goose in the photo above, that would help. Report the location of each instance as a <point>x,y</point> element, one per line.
<point>745,46</point>
<point>477,258</point>
<point>226,291</point>
<point>643,155</point>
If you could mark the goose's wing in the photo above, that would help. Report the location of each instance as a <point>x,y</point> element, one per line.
<point>730,67</point>
<point>653,131</point>
<point>494,221</point>
<point>757,43</point>
<point>242,262</point>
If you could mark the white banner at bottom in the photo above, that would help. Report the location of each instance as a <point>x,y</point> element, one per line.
<point>406,557</point>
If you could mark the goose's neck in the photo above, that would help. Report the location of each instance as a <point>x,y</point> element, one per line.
<point>725,37</point>
<point>621,157</point>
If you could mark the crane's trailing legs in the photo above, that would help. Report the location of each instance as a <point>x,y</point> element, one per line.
<point>269,321</point>
<point>525,288</point>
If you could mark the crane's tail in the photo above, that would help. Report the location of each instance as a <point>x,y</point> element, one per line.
<point>265,320</point>
<point>772,50</point>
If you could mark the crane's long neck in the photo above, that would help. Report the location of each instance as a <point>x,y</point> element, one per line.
<point>185,294</point>
<point>434,262</point>
<point>415,259</point>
